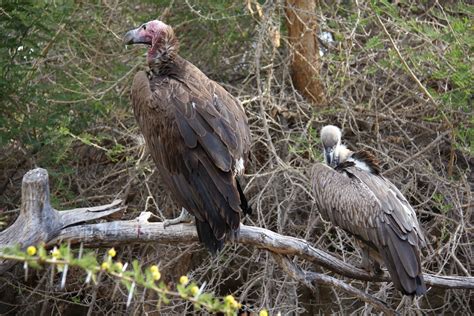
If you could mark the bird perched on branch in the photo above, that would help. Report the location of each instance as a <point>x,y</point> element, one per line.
<point>197,134</point>
<point>351,193</point>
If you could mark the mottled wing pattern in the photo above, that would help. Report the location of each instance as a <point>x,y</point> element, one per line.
<point>341,201</point>
<point>373,209</point>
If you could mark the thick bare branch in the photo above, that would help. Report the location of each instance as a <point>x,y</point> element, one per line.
<point>119,232</point>
<point>39,222</point>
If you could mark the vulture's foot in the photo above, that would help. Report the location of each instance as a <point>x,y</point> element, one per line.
<point>376,269</point>
<point>184,217</point>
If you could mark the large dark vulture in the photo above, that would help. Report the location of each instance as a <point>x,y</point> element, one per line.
<point>352,194</point>
<point>197,134</point>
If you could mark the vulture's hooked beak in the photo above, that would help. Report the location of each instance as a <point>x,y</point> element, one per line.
<point>332,159</point>
<point>137,36</point>
<point>328,155</point>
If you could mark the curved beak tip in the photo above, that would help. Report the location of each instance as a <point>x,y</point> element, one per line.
<point>129,37</point>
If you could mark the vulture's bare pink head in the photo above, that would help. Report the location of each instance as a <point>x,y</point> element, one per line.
<point>160,38</point>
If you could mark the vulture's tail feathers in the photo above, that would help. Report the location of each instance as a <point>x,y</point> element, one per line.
<point>244,205</point>
<point>206,236</point>
<point>403,264</point>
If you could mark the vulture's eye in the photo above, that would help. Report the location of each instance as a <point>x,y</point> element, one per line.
<point>144,26</point>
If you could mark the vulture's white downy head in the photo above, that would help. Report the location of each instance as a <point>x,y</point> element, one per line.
<point>158,36</point>
<point>334,151</point>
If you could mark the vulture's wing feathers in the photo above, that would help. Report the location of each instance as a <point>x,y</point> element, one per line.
<point>198,136</point>
<point>373,209</point>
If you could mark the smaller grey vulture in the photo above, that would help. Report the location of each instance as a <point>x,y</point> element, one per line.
<point>352,194</point>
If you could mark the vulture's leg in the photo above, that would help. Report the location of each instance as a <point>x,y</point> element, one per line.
<point>369,261</point>
<point>366,262</point>
<point>184,217</point>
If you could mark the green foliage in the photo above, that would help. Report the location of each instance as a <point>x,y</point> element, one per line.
<point>150,278</point>
<point>28,32</point>
<point>307,145</point>
<point>445,66</point>
<point>65,71</point>
<point>374,42</point>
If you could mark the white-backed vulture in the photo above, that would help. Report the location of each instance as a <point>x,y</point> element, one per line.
<point>197,134</point>
<point>352,194</point>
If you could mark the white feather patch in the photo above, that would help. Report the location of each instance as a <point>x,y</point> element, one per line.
<point>239,166</point>
<point>360,165</point>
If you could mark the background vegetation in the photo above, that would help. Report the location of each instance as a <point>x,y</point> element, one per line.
<point>64,92</point>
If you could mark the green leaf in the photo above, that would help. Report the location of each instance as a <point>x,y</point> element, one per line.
<point>374,42</point>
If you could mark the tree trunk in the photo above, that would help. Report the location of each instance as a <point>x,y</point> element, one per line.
<point>302,35</point>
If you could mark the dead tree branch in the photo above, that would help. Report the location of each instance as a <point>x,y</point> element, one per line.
<point>141,231</point>
<point>39,222</point>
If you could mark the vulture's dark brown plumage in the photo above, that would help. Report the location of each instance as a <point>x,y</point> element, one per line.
<point>197,134</point>
<point>356,197</point>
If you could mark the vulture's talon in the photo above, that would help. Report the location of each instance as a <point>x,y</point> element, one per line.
<point>184,217</point>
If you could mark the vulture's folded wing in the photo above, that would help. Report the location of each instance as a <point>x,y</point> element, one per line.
<point>200,141</point>
<point>368,206</point>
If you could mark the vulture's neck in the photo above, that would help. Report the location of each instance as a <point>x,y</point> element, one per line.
<point>163,53</point>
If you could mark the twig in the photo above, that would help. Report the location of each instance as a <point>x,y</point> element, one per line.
<point>412,74</point>
<point>424,90</point>
<point>418,154</point>
<point>308,278</point>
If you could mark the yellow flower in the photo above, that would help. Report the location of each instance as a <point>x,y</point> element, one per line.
<point>56,253</point>
<point>155,272</point>
<point>156,275</point>
<point>105,265</point>
<point>31,250</point>
<point>154,269</point>
<point>229,299</point>
<point>183,280</point>
<point>112,252</point>
<point>194,290</point>
<point>263,312</point>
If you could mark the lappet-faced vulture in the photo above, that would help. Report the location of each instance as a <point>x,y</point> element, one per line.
<point>197,134</point>
<point>351,193</point>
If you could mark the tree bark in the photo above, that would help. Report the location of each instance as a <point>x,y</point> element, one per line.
<point>38,221</point>
<point>302,35</point>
